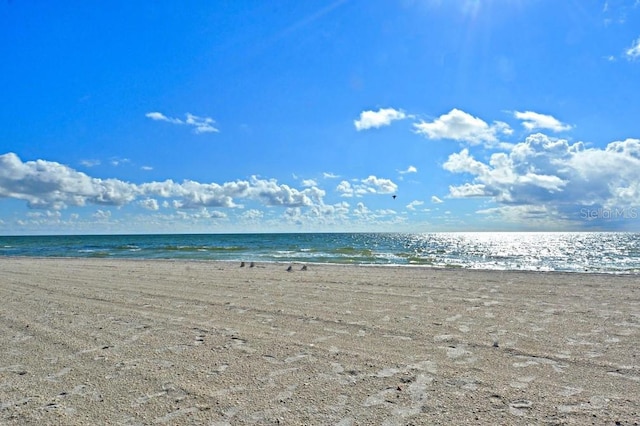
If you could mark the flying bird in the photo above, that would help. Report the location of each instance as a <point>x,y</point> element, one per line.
<point>394,196</point>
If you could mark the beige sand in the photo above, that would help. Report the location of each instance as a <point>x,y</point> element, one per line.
<point>176,342</point>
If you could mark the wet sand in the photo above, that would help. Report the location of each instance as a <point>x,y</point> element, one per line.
<point>175,342</point>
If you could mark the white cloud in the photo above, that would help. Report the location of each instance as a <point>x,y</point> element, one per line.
<point>468,190</point>
<point>273,194</point>
<point>345,189</point>
<point>551,175</point>
<point>205,213</point>
<point>410,169</point>
<point>90,163</point>
<point>464,163</point>
<point>200,124</point>
<point>461,126</point>
<point>193,194</point>
<point>50,185</point>
<point>149,204</point>
<point>633,52</point>
<point>376,185</point>
<point>102,215</point>
<point>252,215</point>
<point>369,186</point>
<point>361,210</point>
<point>328,175</point>
<point>436,200</point>
<point>115,162</point>
<point>158,116</point>
<point>309,183</point>
<point>414,204</point>
<point>535,121</point>
<point>319,215</point>
<point>375,119</point>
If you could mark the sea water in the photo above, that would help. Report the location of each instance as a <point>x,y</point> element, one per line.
<point>603,252</point>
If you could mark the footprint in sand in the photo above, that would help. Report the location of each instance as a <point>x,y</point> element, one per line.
<point>522,382</point>
<point>295,358</point>
<point>382,397</point>
<point>55,376</point>
<point>519,408</point>
<point>337,368</point>
<point>454,318</point>
<point>240,344</point>
<point>570,391</point>
<point>286,394</point>
<point>460,355</point>
<point>387,372</point>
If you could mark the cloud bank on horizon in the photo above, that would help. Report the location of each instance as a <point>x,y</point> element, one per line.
<point>542,180</point>
<point>409,117</point>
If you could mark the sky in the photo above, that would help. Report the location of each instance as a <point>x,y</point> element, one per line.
<point>319,116</point>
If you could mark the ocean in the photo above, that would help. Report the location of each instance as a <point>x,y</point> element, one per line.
<point>596,252</point>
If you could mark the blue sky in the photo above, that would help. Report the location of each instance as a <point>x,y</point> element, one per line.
<point>253,116</point>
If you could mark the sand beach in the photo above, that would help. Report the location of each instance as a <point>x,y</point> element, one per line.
<point>137,342</point>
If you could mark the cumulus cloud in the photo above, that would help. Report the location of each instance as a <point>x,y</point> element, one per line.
<point>149,204</point>
<point>199,124</point>
<point>410,169</point>
<point>467,190</point>
<point>50,185</point>
<point>205,213</point>
<point>552,175</point>
<point>102,215</point>
<point>323,215</point>
<point>345,189</point>
<point>252,215</point>
<point>633,52</point>
<point>361,210</point>
<point>45,184</point>
<point>370,185</point>
<point>193,194</point>
<point>376,185</point>
<point>461,126</point>
<point>414,204</point>
<point>158,116</point>
<point>274,194</point>
<point>535,121</point>
<point>375,119</point>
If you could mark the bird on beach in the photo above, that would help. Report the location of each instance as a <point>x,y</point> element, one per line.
<point>242,264</point>
<point>304,268</point>
<point>252,264</point>
<point>290,268</point>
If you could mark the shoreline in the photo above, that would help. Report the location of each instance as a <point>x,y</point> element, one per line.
<point>324,264</point>
<point>609,253</point>
<point>177,341</point>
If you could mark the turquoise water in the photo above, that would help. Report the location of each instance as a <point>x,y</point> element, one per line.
<point>607,252</point>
